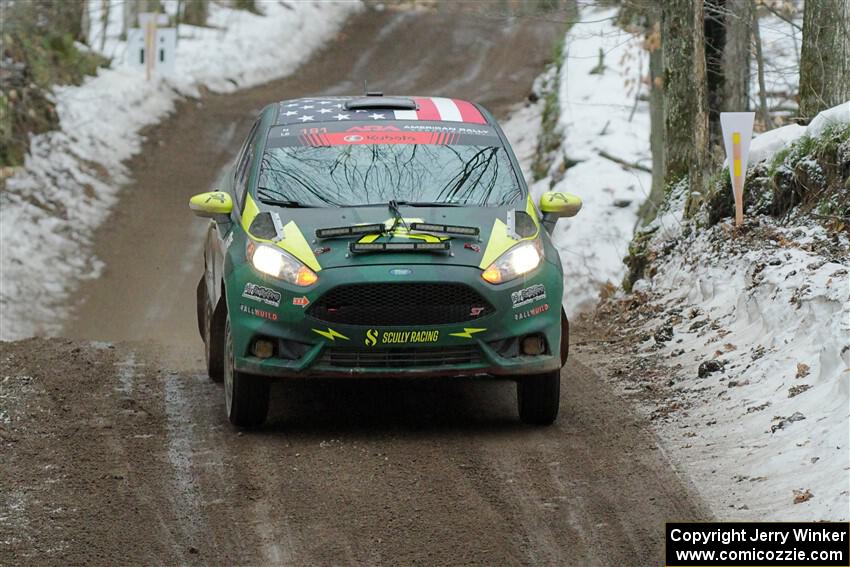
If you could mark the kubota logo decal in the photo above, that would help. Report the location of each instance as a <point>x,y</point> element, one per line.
<point>374,337</point>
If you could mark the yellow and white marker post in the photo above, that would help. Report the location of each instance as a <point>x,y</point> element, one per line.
<point>737,132</point>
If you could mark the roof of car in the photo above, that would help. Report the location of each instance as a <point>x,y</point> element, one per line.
<point>376,107</point>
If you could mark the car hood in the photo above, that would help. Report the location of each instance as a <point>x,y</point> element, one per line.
<point>298,228</point>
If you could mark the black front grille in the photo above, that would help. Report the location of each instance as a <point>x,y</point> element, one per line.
<point>400,304</point>
<point>395,357</point>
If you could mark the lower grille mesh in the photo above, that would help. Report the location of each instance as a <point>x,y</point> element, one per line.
<point>395,357</point>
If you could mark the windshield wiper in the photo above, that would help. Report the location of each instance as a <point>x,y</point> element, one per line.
<point>289,203</point>
<point>429,204</point>
<point>409,204</point>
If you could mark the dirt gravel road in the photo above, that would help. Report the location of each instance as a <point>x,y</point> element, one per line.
<point>119,452</point>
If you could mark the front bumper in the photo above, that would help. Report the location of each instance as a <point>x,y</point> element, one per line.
<point>306,347</point>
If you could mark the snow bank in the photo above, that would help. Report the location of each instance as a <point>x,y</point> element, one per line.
<point>837,115</point>
<point>765,145</point>
<point>774,417</point>
<point>599,113</point>
<point>72,176</point>
<point>755,329</point>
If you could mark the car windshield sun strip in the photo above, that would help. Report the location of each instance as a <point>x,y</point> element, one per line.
<point>364,247</point>
<point>353,230</point>
<point>472,231</point>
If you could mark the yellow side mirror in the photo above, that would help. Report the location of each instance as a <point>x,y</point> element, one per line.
<point>559,204</point>
<point>215,204</point>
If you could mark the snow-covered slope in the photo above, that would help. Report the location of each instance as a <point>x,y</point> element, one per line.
<point>754,328</point>
<point>72,176</point>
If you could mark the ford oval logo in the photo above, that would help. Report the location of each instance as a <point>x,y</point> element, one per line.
<point>401,272</point>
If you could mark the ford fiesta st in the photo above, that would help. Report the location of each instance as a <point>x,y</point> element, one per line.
<point>380,237</point>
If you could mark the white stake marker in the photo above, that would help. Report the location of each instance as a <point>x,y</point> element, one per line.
<point>737,132</point>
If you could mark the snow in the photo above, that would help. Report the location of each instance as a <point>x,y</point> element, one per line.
<point>762,310</point>
<point>72,176</point>
<point>599,113</point>
<point>837,115</point>
<point>768,143</point>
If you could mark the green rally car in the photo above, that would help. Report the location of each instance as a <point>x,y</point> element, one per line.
<point>380,237</point>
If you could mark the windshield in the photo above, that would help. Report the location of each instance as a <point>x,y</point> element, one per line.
<point>362,174</point>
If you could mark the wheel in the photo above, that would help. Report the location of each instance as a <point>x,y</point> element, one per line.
<point>246,397</point>
<point>213,340</point>
<point>538,397</point>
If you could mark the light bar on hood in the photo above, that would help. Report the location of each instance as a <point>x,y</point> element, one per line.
<point>354,230</point>
<point>446,229</point>
<point>360,247</point>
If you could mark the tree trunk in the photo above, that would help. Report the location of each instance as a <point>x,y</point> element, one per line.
<point>85,23</point>
<point>652,43</point>
<point>104,22</point>
<point>764,113</point>
<point>195,12</point>
<point>736,56</point>
<point>685,116</point>
<point>700,111</point>
<point>825,56</point>
<point>715,47</point>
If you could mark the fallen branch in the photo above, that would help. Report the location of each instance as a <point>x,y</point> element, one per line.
<point>624,163</point>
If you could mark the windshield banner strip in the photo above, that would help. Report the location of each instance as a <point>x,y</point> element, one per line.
<point>341,138</point>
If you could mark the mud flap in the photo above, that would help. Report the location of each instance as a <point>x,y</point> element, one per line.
<point>215,348</point>
<point>201,298</point>
<point>565,337</point>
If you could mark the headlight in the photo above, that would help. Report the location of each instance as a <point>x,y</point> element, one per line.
<point>517,261</point>
<point>278,264</point>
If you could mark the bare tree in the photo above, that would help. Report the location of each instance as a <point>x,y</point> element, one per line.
<point>825,56</point>
<point>736,55</point>
<point>652,43</point>
<point>764,113</point>
<point>104,22</point>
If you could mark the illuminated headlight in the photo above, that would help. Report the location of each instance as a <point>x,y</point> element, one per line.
<point>517,261</point>
<point>278,264</point>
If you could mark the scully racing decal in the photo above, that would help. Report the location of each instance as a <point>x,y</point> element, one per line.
<point>531,312</point>
<point>262,294</point>
<point>262,313</point>
<point>528,295</point>
<point>300,301</point>
<point>467,333</point>
<point>376,337</point>
<point>331,334</point>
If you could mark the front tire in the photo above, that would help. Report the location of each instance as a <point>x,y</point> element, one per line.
<point>539,398</point>
<point>246,397</point>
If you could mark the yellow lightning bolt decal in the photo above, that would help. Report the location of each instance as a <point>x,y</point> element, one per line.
<point>330,334</point>
<point>467,333</point>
